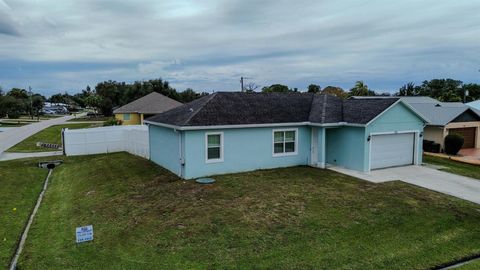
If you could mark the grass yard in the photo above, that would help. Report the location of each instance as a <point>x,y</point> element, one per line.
<point>86,119</point>
<point>453,166</point>
<point>20,183</point>
<point>474,265</point>
<point>5,123</point>
<point>51,134</point>
<point>294,218</point>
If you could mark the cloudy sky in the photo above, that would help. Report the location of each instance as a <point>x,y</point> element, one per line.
<point>208,45</point>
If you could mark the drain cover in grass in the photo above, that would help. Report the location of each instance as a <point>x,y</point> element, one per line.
<point>205,180</point>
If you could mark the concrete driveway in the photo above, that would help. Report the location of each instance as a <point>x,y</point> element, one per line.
<point>447,183</point>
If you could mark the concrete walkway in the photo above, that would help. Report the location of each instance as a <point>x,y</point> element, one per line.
<point>11,156</point>
<point>429,178</point>
<point>13,136</point>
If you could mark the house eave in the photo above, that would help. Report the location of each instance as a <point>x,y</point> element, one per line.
<point>340,124</point>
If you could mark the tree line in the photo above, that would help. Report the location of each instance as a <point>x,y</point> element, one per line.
<point>107,95</point>
<point>446,90</point>
<point>110,94</point>
<point>18,102</point>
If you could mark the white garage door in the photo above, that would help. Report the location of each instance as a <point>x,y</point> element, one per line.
<point>392,150</point>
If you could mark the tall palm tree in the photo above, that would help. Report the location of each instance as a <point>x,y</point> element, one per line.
<point>360,89</point>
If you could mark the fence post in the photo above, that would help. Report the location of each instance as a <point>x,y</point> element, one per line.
<point>63,142</point>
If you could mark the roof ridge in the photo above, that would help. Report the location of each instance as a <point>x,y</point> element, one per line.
<point>199,109</point>
<point>342,113</point>
<point>324,109</point>
<point>311,107</point>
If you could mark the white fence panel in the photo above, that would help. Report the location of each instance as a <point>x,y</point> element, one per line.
<point>88,141</point>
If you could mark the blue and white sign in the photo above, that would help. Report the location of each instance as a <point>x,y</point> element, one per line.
<point>84,233</point>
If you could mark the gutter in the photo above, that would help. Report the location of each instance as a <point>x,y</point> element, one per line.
<point>339,124</point>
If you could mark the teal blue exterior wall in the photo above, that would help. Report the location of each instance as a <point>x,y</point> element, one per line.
<point>165,148</point>
<point>245,149</point>
<point>398,119</point>
<point>345,147</point>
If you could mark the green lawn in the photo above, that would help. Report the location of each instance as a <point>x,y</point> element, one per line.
<point>453,166</point>
<point>87,119</point>
<point>474,265</point>
<point>294,218</point>
<point>52,134</point>
<point>12,124</point>
<point>20,184</point>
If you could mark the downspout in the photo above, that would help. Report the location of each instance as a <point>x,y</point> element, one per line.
<point>181,149</point>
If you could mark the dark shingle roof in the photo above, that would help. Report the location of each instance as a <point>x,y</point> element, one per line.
<point>236,108</point>
<point>361,111</point>
<point>150,104</point>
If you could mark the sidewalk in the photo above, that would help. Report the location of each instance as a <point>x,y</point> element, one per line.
<point>13,136</point>
<point>11,156</point>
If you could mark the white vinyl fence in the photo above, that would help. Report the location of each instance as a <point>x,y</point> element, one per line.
<point>88,141</point>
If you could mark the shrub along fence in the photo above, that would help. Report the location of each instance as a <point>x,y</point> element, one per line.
<point>89,141</point>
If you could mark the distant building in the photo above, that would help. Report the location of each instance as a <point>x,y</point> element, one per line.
<point>136,111</point>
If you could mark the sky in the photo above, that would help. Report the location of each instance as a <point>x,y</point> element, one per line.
<point>56,46</point>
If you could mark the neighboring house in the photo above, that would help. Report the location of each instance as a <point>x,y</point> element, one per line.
<point>134,112</point>
<point>474,104</point>
<point>446,118</point>
<point>229,132</point>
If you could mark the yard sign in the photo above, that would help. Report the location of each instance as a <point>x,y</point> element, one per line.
<point>84,233</point>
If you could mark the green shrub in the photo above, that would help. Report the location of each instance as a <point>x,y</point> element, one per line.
<point>112,122</point>
<point>453,143</point>
<point>13,115</point>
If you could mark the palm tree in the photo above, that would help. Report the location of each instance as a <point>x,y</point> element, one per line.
<point>360,89</point>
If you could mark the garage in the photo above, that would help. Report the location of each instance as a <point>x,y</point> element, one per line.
<point>390,150</point>
<point>468,135</point>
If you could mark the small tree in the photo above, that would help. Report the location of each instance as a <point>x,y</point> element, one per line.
<point>314,88</point>
<point>275,88</point>
<point>453,143</point>
<point>250,87</point>
<point>93,101</point>
<point>37,105</point>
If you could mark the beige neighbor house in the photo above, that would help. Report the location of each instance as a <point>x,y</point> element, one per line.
<point>446,118</point>
<point>136,111</point>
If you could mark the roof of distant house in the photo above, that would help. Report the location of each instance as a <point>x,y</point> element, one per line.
<point>152,103</point>
<point>236,108</point>
<point>438,113</point>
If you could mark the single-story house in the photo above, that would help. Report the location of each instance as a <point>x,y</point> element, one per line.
<point>474,104</point>
<point>446,118</point>
<point>136,111</point>
<point>229,132</point>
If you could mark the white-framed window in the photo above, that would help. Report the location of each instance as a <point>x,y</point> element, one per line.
<point>285,142</point>
<point>126,116</point>
<point>213,147</point>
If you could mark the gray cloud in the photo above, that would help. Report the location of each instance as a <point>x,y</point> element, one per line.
<point>208,45</point>
<point>7,26</point>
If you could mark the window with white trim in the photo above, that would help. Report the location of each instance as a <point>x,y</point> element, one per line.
<point>214,147</point>
<point>284,142</point>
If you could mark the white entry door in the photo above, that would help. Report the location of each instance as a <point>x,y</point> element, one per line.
<point>392,150</point>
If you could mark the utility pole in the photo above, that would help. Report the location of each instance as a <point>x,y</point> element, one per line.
<point>31,101</point>
<point>242,82</point>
